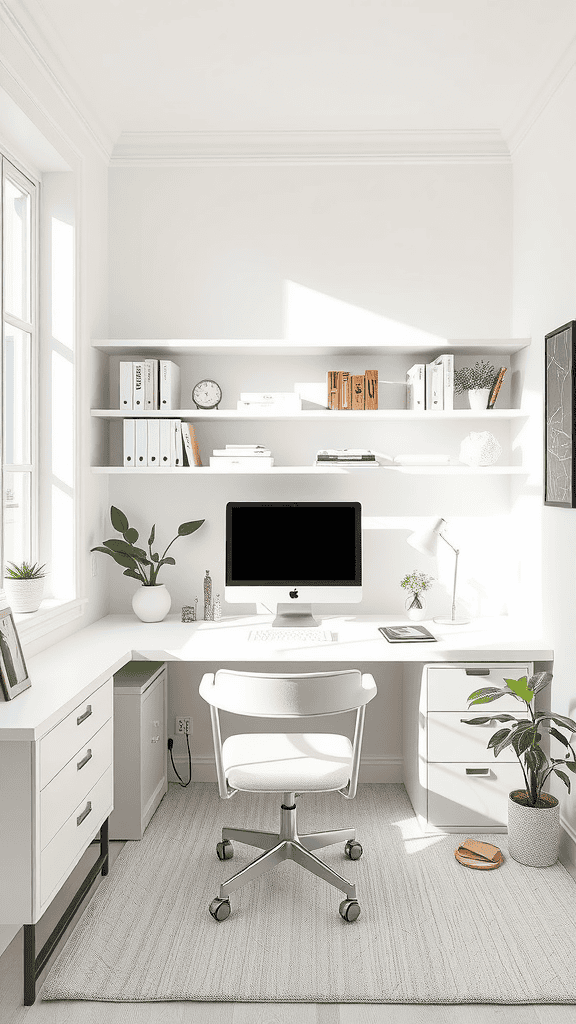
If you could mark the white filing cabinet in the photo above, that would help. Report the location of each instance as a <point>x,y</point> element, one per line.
<point>140,746</point>
<point>454,782</point>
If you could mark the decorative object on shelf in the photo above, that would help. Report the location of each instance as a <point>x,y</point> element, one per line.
<point>24,585</point>
<point>533,815</point>
<point>242,456</point>
<point>217,609</point>
<point>189,612</point>
<point>353,391</point>
<point>416,582</point>
<point>426,541</point>
<point>207,394</point>
<point>560,417</point>
<point>495,390</point>
<point>356,458</point>
<point>480,448</point>
<point>13,671</point>
<point>141,566</point>
<point>477,380</point>
<point>208,610</point>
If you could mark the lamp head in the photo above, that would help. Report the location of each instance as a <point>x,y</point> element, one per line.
<point>426,539</point>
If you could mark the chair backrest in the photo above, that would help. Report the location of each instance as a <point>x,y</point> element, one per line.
<point>287,695</point>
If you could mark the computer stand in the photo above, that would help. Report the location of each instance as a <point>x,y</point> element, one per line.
<point>295,617</point>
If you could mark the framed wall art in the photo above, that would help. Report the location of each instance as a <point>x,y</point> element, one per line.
<point>13,671</point>
<point>560,416</point>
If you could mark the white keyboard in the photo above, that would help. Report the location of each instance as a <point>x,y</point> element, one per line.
<point>289,635</point>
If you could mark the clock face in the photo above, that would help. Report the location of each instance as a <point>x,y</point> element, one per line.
<point>207,394</point>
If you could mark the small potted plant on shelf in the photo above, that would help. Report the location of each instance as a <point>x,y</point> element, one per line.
<point>151,602</point>
<point>24,585</point>
<point>477,380</point>
<point>533,814</point>
<point>417,583</point>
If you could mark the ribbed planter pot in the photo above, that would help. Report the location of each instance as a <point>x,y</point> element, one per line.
<point>24,595</point>
<point>151,604</point>
<point>533,832</point>
<point>478,398</point>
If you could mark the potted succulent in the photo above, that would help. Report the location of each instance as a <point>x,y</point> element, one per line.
<point>24,585</point>
<point>151,602</point>
<point>416,582</point>
<point>533,814</point>
<point>477,380</point>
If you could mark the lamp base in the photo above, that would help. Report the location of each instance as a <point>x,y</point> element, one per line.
<point>446,621</point>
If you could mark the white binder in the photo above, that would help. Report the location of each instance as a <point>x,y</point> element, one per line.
<point>138,386</point>
<point>141,454</point>
<point>176,446</point>
<point>153,442</point>
<point>416,391</point>
<point>446,362</point>
<point>125,386</point>
<point>434,386</point>
<point>129,446</point>
<point>165,442</point>
<point>169,384</point>
<point>151,384</point>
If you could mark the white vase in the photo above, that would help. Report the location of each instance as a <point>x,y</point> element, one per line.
<point>478,398</point>
<point>151,604</point>
<point>416,607</point>
<point>24,595</point>
<point>534,832</point>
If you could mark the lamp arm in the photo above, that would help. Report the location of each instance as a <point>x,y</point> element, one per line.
<point>456,553</point>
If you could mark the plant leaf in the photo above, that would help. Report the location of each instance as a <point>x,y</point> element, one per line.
<point>566,723</point>
<point>131,535</point>
<point>476,721</point>
<point>127,549</point>
<point>487,698</point>
<point>119,520</point>
<point>539,680</point>
<point>167,561</point>
<point>558,735</point>
<point>187,528</point>
<point>152,535</point>
<point>155,556</point>
<point>520,688</point>
<point>125,560</point>
<point>525,740</point>
<point>497,737</point>
<point>563,776</point>
<point>131,572</point>
<point>571,765</point>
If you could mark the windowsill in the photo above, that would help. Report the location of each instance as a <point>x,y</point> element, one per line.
<point>51,614</point>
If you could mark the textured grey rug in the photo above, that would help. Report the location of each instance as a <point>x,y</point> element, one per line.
<point>431,931</point>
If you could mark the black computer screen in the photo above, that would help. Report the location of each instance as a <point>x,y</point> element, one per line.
<point>304,543</point>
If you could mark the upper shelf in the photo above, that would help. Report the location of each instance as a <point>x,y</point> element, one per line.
<point>349,415</point>
<point>284,346</point>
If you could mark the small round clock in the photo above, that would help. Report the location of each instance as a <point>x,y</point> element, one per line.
<point>207,394</point>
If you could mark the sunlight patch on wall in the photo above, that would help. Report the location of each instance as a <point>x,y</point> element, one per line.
<point>63,283</point>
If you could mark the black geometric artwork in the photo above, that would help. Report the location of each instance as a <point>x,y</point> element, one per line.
<point>560,417</point>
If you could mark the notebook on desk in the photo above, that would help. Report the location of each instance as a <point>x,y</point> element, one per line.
<point>406,634</point>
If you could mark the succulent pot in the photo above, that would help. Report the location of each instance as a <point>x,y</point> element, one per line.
<point>151,604</point>
<point>533,832</point>
<point>478,398</point>
<point>416,607</point>
<point>24,595</point>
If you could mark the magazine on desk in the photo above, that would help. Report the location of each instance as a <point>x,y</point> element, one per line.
<point>406,634</point>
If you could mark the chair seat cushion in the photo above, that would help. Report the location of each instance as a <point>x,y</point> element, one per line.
<point>287,762</point>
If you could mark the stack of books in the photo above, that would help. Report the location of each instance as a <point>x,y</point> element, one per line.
<point>357,458</point>
<point>431,385</point>
<point>242,456</point>
<point>149,384</point>
<point>352,391</point>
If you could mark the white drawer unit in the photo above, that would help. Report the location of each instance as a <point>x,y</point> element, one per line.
<point>454,782</point>
<point>140,746</point>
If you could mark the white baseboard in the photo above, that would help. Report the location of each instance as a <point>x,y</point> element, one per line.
<point>372,769</point>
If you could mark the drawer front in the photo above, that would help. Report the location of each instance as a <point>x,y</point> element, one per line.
<point>450,740</point>
<point>449,688</point>
<point>58,858</point>
<point>74,731</point>
<point>462,800</point>
<point>153,750</point>
<point>72,783</point>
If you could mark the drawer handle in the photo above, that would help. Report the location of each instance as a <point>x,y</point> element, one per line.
<point>84,814</point>
<point>84,760</point>
<point>477,771</point>
<point>477,671</point>
<point>87,713</point>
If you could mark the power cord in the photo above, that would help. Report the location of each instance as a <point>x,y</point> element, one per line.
<point>170,745</point>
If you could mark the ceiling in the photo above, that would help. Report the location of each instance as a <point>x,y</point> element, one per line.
<point>307,65</point>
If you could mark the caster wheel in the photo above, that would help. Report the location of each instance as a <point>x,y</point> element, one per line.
<point>225,850</point>
<point>353,850</point>
<point>350,910</point>
<point>220,909</point>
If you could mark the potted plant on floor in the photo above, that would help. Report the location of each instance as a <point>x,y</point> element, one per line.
<point>24,585</point>
<point>151,602</point>
<point>533,814</point>
<point>417,583</point>
<point>477,380</point>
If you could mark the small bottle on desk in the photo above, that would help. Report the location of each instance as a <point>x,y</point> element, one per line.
<point>208,611</point>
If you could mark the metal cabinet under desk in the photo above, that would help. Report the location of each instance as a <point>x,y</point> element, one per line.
<point>140,746</point>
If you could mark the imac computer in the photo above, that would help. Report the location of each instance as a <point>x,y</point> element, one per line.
<point>288,555</point>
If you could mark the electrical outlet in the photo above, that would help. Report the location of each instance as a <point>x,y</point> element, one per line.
<point>183,725</point>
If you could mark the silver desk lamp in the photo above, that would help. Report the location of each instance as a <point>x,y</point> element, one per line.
<point>426,541</point>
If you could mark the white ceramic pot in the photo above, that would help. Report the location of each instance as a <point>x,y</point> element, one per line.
<point>533,832</point>
<point>24,595</point>
<point>416,607</point>
<point>478,398</point>
<point>151,604</point>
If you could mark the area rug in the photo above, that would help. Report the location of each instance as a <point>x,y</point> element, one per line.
<point>430,931</point>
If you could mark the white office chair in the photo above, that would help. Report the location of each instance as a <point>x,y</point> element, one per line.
<point>287,763</point>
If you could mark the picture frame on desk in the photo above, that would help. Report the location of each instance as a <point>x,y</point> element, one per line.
<point>560,417</point>
<point>13,672</point>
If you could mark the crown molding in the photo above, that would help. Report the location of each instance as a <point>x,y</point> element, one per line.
<point>207,148</point>
<point>516,130</point>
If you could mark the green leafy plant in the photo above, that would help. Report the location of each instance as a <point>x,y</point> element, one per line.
<point>24,571</point>
<point>469,378</point>
<point>525,734</point>
<point>142,566</point>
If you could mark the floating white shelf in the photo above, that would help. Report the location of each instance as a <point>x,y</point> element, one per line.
<point>420,343</point>
<point>333,415</point>
<point>323,471</point>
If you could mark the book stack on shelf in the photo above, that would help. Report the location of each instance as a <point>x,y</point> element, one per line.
<point>352,391</point>
<point>159,442</point>
<point>242,456</point>
<point>352,458</point>
<point>149,384</point>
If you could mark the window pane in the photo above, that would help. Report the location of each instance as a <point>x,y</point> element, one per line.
<point>17,508</point>
<point>17,248</point>
<point>17,396</point>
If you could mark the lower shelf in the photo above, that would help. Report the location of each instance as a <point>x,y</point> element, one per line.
<point>319,470</point>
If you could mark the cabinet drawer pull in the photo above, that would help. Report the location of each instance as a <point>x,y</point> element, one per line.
<point>80,764</point>
<point>477,771</point>
<point>84,814</point>
<point>87,713</point>
<point>477,671</point>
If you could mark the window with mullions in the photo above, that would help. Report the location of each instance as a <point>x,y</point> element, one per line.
<point>19,355</point>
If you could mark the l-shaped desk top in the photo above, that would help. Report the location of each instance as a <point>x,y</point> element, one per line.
<point>65,673</point>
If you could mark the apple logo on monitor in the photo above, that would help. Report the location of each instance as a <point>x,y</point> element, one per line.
<point>293,593</point>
